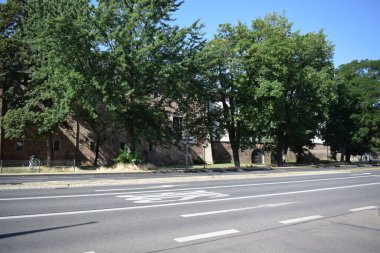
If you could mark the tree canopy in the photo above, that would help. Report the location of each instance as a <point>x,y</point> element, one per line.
<point>124,65</point>
<point>353,126</point>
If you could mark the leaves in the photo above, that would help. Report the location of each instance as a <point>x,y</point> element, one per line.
<point>354,117</point>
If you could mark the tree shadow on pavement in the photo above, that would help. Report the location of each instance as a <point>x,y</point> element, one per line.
<point>3,236</point>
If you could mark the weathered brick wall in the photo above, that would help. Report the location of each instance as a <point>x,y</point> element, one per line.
<point>222,153</point>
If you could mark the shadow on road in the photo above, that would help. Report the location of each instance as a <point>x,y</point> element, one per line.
<point>3,236</point>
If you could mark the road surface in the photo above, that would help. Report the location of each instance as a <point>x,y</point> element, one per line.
<point>319,213</point>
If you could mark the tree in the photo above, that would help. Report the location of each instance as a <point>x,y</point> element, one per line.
<point>59,36</point>
<point>289,78</point>
<point>354,117</point>
<point>221,73</point>
<point>149,59</point>
<point>273,84</point>
<point>14,64</point>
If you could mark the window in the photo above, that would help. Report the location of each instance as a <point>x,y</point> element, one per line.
<point>19,144</point>
<point>56,145</point>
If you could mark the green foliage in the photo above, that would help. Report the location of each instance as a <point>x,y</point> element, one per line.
<point>353,127</point>
<point>270,83</point>
<point>124,65</point>
<point>126,156</point>
<point>148,59</point>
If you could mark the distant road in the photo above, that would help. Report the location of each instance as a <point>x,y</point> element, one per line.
<point>324,213</point>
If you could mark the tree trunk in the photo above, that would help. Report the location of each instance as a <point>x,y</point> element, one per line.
<point>279,158</point>
<point>77,143</point>
<point>2,110</point>
<point>280,148</point>
<point>49,149</point>
<point>342,153</point>
<point>132,138</point>
<point>96,152</point>
<point>234,146</point>
<point>235,154</point>
<point>299,157</point>
<point>348,157</point>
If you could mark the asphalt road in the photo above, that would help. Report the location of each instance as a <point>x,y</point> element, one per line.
<point>323,213</point>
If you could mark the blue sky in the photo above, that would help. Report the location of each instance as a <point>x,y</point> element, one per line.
<point>352,26</point>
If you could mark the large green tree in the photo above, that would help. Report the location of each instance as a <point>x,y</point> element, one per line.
<point>353,127</point>
<point>62,77</point>
<point>222,74</point>
<point>289,79</point>
<point>150,59</point>
<point>14,62</point>
<point>273,84</point>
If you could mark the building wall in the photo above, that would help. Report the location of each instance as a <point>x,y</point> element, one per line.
<point>222,153</point>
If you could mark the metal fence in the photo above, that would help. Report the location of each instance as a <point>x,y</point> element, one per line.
<point>37,165</point>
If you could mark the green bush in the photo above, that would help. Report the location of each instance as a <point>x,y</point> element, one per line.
<point>126,156</point>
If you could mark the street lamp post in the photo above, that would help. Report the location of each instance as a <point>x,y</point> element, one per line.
<point>204,145</point>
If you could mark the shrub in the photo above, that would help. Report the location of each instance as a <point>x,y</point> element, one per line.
<point>126,156</point>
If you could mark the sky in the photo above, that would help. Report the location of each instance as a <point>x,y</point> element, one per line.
<point>352,26</point>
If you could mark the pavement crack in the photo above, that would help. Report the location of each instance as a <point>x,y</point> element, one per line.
<point>356,226</point>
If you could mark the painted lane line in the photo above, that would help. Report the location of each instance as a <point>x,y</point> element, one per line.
<point>184,203</point>
<point>186,189</point>
<point>361,174</point>
<point>126,189</point>
<point>363,208</point>
<point>115,178</point>
<point>207,235</point>
<point>236,210</point>
<point>66,177</point>
<point>308,218</point>
<point>24,180</point>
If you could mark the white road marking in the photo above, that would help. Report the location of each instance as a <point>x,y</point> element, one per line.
<point>171,196</point>
<point>185,189</point>
<point>73,177</point>
<point>363,208</point>
<point>361,174</point>
<point>27,179</point>
<point>207,235</point>
<point>184,203</point>
<point>236,210</point>
<point>308,218</point>
<point>99,178</point>
<point>126,189</point>
<point>89,252</point>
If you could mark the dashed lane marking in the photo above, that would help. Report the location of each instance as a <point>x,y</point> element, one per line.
<point>207,235</point>
<point>302,219</point>
<point>363,208</point>
<point>236,210</point>
<point>361,174</point>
